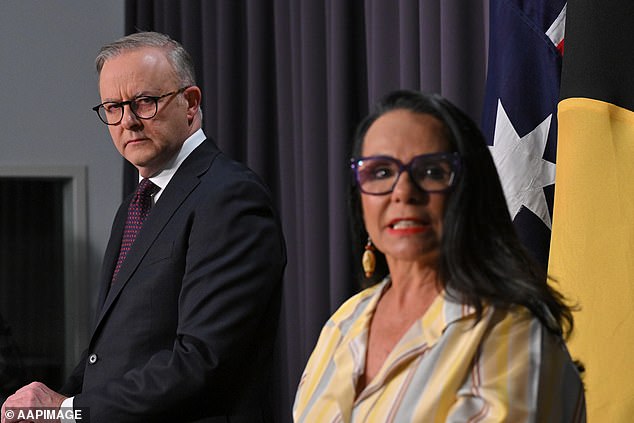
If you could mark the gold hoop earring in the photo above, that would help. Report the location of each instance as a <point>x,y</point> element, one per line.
<point>368,260</point>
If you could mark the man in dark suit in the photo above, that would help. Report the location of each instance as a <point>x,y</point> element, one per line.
<point>189,304</point>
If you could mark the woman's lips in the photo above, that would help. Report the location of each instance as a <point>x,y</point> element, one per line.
<point>407,226</point>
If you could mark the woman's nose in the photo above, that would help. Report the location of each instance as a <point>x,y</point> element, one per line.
<point>406,190</point>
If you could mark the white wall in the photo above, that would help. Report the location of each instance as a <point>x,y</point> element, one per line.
<point>47,87</point>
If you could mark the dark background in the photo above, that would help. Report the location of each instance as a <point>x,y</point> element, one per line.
<point>284,84</point>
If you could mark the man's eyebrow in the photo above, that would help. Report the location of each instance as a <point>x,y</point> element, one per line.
<point>118,100</point>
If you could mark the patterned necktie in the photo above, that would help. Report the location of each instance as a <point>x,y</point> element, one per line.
<point>137,212</point>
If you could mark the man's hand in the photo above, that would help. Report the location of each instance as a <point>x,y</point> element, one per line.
<point>34,395</point>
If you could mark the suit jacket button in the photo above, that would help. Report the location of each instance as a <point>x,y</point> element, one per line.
<point>92,358</point>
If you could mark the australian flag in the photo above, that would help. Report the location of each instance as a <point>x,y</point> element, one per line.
<point>526,41</point>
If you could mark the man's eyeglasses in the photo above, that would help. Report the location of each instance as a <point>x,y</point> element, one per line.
<point>143,107</point>
<point>378,175</point>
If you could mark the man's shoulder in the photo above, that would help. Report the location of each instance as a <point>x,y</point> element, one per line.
<point>226,170</point>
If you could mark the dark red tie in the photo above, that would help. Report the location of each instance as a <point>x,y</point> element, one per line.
<point>137,212</point>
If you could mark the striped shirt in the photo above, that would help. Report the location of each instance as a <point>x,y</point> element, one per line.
<point>446,368</point>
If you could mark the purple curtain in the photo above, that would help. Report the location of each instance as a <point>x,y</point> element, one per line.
<point>284,84</point>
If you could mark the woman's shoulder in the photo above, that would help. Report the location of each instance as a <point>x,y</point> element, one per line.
<point>517,321</point>
<point>518,314</point>
<point>357,305</point>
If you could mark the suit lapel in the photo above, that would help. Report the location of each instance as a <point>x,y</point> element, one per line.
<point>184,181</point>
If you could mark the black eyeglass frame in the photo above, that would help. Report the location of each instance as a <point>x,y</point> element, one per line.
<point>452,158</point>
<point>133,107</point>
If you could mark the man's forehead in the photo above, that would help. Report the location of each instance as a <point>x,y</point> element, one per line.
<point>136,72</point>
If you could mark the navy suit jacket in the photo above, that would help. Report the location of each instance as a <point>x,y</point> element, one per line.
<point>186,332</point>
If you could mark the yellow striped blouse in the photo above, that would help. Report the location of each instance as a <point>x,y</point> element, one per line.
<point>446,368</point>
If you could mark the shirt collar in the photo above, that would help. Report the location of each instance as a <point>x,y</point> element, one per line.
<point>443,311</point>
<point>163,178</point>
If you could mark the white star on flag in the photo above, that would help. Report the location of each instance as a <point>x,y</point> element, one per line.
<point>523,171</point>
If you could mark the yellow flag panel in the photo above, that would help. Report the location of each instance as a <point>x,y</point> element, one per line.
<point>592,248</point>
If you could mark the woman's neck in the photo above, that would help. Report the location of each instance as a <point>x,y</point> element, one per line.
<point>411,281</point>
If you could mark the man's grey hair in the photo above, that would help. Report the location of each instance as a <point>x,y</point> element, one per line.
<point>178,57</point>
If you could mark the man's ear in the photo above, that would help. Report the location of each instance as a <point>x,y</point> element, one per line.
<point>193,96</point>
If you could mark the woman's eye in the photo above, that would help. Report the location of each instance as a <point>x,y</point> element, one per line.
<point>435,173</point>
<point>375,173</point>
<point>381,172</point>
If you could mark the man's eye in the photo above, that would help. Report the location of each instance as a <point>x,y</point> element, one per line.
<point>144,101</point>
<point>111,107</point>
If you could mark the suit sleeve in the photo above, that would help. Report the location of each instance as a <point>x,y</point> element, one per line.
<point>227,312</point>
<point>73,384</point>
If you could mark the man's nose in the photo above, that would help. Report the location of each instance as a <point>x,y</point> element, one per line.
<point>129,119</point>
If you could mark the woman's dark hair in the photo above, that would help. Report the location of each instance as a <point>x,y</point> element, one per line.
<point>481,258</point>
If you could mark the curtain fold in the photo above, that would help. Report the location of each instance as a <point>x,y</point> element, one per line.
<point>284,84</point>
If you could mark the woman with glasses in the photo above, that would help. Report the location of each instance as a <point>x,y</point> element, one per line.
<point>458,324</point>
